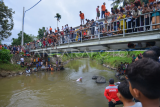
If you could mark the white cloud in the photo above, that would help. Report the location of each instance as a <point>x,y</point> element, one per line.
<point>43,14</point>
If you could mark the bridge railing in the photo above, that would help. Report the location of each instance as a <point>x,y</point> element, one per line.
<point>128,25</point>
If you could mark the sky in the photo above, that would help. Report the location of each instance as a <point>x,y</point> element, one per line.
<point>43,14</point>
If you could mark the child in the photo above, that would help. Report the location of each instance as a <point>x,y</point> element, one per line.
<point>52,69</point>
<point>125,96</point>
<point>34,61</point>
<point>37,66</point>
<point>143,76</point>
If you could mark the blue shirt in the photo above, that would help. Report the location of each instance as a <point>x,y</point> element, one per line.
<point>39,63</point>
<point>48,59</point>
<point>36,65</point>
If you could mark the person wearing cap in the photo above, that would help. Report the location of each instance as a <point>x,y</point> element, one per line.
<point>155,16</point>
<point>81,17</point>
<point>103,8</point>
<point>111,94</point>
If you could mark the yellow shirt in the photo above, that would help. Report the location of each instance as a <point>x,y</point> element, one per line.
<point>121,22</point>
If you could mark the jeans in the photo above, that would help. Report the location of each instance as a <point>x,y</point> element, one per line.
<point>103,14</point>
<point>74,36</point>
<point>111,104</point>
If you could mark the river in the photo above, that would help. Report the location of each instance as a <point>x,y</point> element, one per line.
<point>57,89</point>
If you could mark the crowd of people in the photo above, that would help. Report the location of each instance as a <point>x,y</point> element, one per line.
<point>133,17</point>
<point>38,64</point>
<point>140,87</point>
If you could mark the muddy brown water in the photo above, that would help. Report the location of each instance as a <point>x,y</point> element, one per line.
<point>57,89</point>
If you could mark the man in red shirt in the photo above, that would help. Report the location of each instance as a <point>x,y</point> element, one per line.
<point>82,17</point>
<point>111,94</point>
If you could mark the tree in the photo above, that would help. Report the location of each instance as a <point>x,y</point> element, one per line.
<point>33,37</point>
<point>41,33</point>
<point>118,2</point>
<point>27,39</point>
<point>58,16</point>
<point>6,21</point>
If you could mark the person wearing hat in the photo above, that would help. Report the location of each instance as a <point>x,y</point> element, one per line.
<point>111,94</point>
<point>103,8</point>
<point>155,16</point>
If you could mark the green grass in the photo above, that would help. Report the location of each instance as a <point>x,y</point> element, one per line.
<point>11,67</point>
<point>110,58</point>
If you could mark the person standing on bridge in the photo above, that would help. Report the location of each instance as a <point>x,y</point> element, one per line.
<point>50,29</point>
<point>98,13</point>
<point>81,17</point>
<point>103,8</point>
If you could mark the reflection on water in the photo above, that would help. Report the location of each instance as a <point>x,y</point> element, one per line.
<point>57,89</point>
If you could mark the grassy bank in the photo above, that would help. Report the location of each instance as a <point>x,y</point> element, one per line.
<point>11,67</point>
<point>113,59</point>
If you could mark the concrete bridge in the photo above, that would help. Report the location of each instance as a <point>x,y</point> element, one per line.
<point>106,43</point>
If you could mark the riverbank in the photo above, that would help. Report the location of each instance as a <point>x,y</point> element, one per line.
<point>109,60</point>
<point>9,70</point>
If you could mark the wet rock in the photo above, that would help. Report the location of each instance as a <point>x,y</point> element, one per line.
<point>13,73</point>
<point>20,73</point>
<point>9,76</point>
<point>94,77</point>
<point>101,79</point>
<point>4,74</point>
<point>122,77</point>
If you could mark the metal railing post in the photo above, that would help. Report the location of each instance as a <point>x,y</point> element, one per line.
<point>123,29</point>
<point>144,27</point>
<point>116,25</point>
<point>150,24</point>
<point>81,36</point>
<point>99,32</point>
<point>155,19</point>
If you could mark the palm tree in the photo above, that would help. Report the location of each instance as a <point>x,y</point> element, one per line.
<point>58,16</point>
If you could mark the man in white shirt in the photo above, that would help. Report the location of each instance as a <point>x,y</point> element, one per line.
<point>22,61</point>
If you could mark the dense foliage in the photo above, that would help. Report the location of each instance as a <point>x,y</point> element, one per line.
<point>5,56</point>
<point>27,38</point>
<point>6,21</point>
<point>110,58</point>
<point>41,33</point>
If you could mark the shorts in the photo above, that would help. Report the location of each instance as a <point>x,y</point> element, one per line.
<point>82,19</point>
<point>98,14</point>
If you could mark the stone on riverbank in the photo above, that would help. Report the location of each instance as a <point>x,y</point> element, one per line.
<point>4,74</point>
<point>101,79</point>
